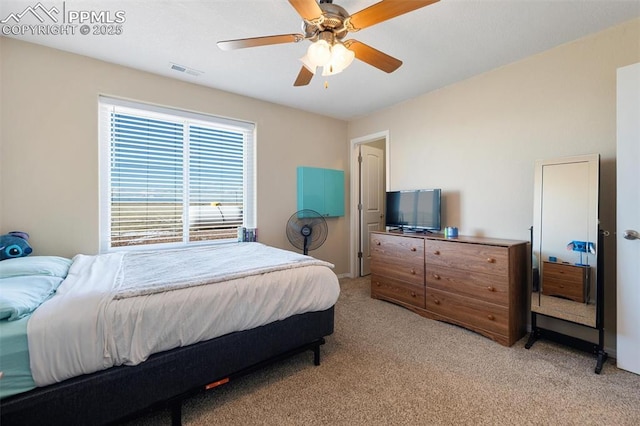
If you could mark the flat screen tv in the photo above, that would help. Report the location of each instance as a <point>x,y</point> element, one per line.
<point>417,210</point>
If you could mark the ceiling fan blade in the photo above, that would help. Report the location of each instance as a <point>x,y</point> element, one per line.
<point>307,9</point>
<point>304,77</point>
<point>383,11</point>
<point>373,57</point>
<point>259,41</point>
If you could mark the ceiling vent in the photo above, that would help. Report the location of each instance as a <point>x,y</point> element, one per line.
<point>186,70</point>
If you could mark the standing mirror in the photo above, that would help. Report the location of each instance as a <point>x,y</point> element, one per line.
<point>565,243</point>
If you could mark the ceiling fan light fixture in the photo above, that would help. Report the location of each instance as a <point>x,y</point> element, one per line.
<point>319,53</point>
<point>328,70</point>
<point>307,64</point>
<point>341,58</point>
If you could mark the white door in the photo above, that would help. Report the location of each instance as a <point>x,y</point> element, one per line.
<point>628,219</point>
<point>371,200</point>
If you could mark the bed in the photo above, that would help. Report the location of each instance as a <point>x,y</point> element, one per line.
<point>123,332</point>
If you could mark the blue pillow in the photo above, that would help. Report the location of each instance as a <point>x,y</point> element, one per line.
<point>19,296</point>
<point>53,266</point>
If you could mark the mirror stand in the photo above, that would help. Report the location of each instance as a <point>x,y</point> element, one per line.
<point>595,348</point>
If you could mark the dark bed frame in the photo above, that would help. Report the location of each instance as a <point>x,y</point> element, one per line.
<point>167,378</point>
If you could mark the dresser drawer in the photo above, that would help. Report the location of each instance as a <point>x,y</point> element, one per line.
<point>565,272</point>
<point>472,257</point>
<point>565,280</point>
<point>566,290</point>
<point>468,312</point>
<point>398,257</point>
<point>401,291</point>
<point>487,287</point>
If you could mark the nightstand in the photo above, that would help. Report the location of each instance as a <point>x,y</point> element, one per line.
<point>566,280</point>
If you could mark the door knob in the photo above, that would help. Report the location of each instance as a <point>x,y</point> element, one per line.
<point>630,234</point>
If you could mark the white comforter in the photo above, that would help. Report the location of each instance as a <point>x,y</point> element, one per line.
<point>96,320</point>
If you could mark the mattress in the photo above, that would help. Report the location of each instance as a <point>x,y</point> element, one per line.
<point>90,325</point>
<point>14,358</point>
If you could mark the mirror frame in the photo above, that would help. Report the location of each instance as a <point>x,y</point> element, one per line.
<point>568,310</point>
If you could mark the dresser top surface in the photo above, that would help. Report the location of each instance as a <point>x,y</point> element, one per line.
<point>565,265</point>
<point>461,238</point>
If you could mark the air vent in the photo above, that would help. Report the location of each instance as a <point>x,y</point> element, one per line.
<point>186,70</point>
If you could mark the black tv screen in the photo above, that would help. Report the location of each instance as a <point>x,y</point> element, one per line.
<point>414,210</point>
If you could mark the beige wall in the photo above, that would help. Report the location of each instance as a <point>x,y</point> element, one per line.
<point>49,147</point>
<point>478,139</point>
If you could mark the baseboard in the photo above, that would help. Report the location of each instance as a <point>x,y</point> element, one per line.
<point>345,275</point>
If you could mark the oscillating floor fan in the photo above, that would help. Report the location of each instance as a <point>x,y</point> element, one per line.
<point>307,230</point>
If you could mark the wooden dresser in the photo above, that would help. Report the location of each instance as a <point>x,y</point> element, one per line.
<point>476,283</point>
<point>566,280</point>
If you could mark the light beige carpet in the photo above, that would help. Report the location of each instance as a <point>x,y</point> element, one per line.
<point>385,365</point>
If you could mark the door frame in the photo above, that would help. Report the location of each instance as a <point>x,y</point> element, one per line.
<point>355,189</point>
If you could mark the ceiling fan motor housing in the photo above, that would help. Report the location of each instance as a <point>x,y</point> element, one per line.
<point>331,23</point>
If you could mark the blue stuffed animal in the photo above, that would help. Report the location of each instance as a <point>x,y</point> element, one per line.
<point>14,244</point>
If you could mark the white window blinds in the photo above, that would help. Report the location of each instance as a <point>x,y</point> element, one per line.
<point>171,177</point>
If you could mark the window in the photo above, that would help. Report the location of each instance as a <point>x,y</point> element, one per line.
<point>171,178</point>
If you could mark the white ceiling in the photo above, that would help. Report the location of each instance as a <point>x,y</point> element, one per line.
<point>439,44</point>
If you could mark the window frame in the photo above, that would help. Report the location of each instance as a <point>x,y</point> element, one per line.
<point>107,104</point>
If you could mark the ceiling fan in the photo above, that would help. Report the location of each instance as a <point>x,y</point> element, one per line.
<point>326,24</point>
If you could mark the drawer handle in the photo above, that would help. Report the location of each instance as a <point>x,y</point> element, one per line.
<point>437,252</point>
<point>413,294</point>
<point>491,260</point>
<point>436,301</point>
<point>378,283</point>
<point>413,272</point>
<point>491,317</point>
<point>491,288</point>
<point>436,276</point>
<point>377,242</point>
<point>413,249</point>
